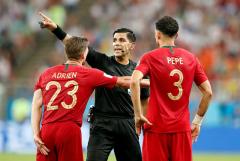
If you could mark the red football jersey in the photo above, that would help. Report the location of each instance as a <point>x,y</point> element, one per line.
<point>66,90</point>
<point>172,72</point>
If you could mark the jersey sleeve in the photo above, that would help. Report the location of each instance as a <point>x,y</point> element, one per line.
<point>199,76</point>
<point>102,79</point>
<point>95,58</point>
<point>143,65</point>
<point>38,83</point>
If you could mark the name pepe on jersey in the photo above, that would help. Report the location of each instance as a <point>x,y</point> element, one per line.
<point>173,60</point>
<point>170,60</point>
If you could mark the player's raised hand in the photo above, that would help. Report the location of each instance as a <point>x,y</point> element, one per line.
<point>195,130</point>
<point>139,121</point>
<point>46,22</point>
<point>40,145</point>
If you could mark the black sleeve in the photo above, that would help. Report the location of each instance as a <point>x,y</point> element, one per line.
<point>95,59</point>
<point>59,33</point>
<point>144,93</point>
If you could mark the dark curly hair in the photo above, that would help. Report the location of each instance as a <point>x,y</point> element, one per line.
<point>167,25</point>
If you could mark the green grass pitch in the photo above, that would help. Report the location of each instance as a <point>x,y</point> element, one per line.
<point>196,157</point>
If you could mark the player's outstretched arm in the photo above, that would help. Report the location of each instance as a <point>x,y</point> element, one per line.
<point>35,121</point>
<point>48,23</point>
<point>206,91</point>
<point>145,83</point>
<point>125,81</point>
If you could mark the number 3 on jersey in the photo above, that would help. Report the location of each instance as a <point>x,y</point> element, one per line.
<point>178,84</point>
<point>70,93</point>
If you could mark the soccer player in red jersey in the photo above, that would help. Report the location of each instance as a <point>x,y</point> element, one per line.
<point>64,91</point>
<point>168,135</point>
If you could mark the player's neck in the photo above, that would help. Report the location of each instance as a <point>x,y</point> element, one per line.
<point>122,60</point>
<point>74,62</point>
<point>166,44</point>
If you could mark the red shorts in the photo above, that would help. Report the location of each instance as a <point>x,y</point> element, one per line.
<point>64,140</point>
<point>167,146</point>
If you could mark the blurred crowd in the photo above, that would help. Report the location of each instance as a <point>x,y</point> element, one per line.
<point>208,28</point>
<point>19,30</point>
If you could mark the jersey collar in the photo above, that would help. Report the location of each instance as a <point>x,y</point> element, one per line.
<point>170,47</point>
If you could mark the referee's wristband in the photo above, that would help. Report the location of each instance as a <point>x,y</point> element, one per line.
<point>59,33</point>
<point>197,120</point>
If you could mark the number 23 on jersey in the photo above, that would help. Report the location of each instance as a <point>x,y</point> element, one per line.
<point>71,93</point>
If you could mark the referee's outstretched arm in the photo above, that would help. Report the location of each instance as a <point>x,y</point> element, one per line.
<point>48,23</point>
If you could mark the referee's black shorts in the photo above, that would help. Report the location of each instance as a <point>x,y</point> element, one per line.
<point>113,133</point>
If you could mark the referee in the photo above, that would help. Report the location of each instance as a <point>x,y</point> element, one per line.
<point>113,125</point>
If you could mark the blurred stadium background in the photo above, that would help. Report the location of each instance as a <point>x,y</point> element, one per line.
<point>208,28</point>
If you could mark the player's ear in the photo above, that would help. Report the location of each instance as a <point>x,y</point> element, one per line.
<point>81,56</point>
<point>176,35</point>
<point>157,35</point>
<point>132,46</point>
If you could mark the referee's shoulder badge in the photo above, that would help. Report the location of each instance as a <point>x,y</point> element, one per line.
<point>106,75</point>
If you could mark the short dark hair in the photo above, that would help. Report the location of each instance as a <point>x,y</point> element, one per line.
<point>130,34</point>
<point>75,46</point>
<point>167,25</point>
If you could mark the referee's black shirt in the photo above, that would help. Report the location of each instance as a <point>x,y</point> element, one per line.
<point>114,102</point>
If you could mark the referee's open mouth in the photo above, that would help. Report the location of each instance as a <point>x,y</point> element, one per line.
<point>118,50</point>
